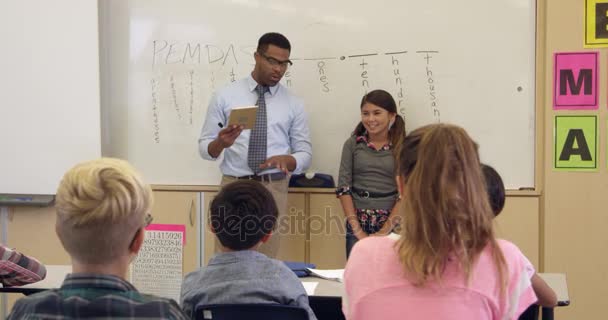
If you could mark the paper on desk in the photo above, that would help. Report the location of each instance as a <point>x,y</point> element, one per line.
<point>310,287</point>
<point>329,274</point>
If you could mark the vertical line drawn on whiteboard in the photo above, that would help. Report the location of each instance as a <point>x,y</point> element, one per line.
<point>233,75</point>
<point>191,107</point>
<point>212,80</point>
<point>155,114</point>
<point>174,96</point>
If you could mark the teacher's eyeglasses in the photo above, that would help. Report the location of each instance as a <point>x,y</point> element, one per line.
<point>274,62</point>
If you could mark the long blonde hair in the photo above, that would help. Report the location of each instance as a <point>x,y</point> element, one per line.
<point>446,209</point>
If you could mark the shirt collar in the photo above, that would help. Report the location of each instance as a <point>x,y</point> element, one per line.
<point>251,83</point>
<point>96,281</point>
<point>235,256</point>
<point>364,139</point>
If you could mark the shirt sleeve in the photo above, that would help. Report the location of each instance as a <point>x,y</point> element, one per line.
<point>302,302</point>
<point>18,311</point>
<point>299,136</point>
<point>211,128</point>
<point>185,300</point>
<point>521,294</point>
<point>294,291</point>
<point>17,269</point>
<point>345,176</point>
<point>528,267</point>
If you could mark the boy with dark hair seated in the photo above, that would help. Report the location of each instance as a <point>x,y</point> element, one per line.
<point>243,216</point>
<point>496,191</point>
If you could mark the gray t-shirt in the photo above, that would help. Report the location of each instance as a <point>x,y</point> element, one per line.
<point>369,170</point>
<point>243,277</point>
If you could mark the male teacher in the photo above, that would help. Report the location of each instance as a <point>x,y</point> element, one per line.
<point>278,144</point>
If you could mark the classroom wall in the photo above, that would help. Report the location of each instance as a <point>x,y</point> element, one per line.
<point>574,204</point>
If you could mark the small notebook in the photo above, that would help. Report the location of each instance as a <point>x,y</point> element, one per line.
<point>244,116</point>
<point>299,268</point>
<point>335,274</point>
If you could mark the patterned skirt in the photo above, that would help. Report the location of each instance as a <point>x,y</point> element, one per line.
<point>372,220</point>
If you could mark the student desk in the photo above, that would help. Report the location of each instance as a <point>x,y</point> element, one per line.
<point>557,282</point>
<point>326,301</point>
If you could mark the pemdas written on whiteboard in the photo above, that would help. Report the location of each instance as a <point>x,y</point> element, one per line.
<point>185,74</point>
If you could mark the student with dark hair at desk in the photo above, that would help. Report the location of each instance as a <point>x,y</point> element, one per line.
<point>102,211</point>
<point>496,191</point>
<point>447,264</point>
<point>242,217</point>
<point>366,183</point>
<point>17,269</point>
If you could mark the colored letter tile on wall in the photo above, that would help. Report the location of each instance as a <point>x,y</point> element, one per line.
<point>596,23</point>
<point>575,143</point>
<point>575,81</point>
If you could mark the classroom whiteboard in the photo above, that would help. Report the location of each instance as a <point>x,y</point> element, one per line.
<point>467,62</point>
<point>49,92</point>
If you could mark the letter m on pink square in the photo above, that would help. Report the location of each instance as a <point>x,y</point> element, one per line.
<point>575,81</point>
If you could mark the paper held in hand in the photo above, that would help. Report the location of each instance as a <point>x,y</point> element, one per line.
<point>244,116</point>
<point>331,274</point>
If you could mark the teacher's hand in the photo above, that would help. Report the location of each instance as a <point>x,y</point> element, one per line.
<point>285,163</point>
<point>228,135</point>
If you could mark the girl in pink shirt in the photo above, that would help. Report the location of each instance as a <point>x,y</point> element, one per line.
<point>447,263</point>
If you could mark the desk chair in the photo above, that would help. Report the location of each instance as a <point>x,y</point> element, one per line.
<point>249,311</point>
<point>545,313</point>
<point>531,313</point>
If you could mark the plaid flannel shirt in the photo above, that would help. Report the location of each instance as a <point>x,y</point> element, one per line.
<point>95,296</point>
<point>17,269</point>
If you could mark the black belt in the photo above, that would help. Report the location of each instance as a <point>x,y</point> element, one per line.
<point>265,177</point>
<point>367,194</point>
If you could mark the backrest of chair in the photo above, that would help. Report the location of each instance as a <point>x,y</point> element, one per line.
<point>531,313</point>
<point>250,311</point>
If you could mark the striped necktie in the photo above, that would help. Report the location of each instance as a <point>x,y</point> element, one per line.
<point>257,139</point>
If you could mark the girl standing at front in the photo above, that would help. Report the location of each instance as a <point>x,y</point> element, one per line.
<point>366,184</point>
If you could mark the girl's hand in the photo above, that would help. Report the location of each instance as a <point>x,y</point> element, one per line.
<point>361,235</point>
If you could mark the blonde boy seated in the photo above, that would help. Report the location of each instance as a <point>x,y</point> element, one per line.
<point>102,210</point>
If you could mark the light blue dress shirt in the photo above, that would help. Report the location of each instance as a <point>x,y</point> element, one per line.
<point>288,131</point>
